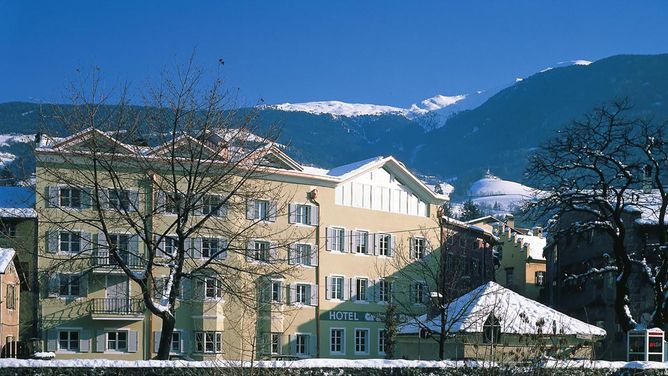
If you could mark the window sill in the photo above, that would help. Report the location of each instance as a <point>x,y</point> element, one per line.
<point>361,301</point>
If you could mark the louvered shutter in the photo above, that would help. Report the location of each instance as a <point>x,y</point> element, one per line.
<point>133,250</point>
<point>250,210</point>
<point>86,198</point>
<point>52,340</point>
<point>346,289</point>
<point>314,255</point>
<point>314,295</point>
<point>52,238</point>
<point>273,252</point>
<point>54,285</point>
<point>292,251</point>
<point>273,211</point>
<point>393,242</point>
<point>411,242</point>
<point>292,293</point>
<point>100,341</point>
<point>134,200</point>
<point>222,248</point>
<point>314,215</point>
<point>132,341</point>
<point>156,341</point>
<point>103,198</point>
<point>328,239</point>
<point>250,250</point>
<point>86,242</point>
<point>84,341</point>
<point>353,288</point>
<point>292,213</point>
<point>376,243</point>
<point>328,288</point>
<point>197,248</point>
<point>53,196</point>
<point>292,340</point>
<point>312,345</point>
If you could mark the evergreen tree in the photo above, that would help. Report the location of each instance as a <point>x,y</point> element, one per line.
<point>470,211</point>
<point>391,320</point>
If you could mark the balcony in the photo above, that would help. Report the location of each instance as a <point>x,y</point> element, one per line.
<point>117,308</point>
<point>103,260</point>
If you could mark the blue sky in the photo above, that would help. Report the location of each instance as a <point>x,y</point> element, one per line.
<point>385,52</point>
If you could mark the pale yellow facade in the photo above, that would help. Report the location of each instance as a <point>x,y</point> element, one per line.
<point>101,315</point>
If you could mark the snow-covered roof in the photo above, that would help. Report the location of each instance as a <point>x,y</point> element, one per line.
<point>17,202</point>
<point>647,205</point>
<point>534,245</point>
<point>6,257</point>
<point>466,225</point>
<point>516,314</point>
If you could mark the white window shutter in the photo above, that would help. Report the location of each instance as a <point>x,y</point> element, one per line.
<point>83,284</point>
<point>292,288</point>
<point>328,288</point>
<point>312,345</point>
<point>346,289</point>
<point>291,254</point>
<point>292,340</point>
<point>86,243</point>
<point>250,210</point>
<point>314,215</point>
<point>222,248</point>
<point>314,295</point>
<point>53,196</point>
<point>197,248</point>
<point>292,213</point>
<point>411,242</point>
<point>52,340</point>
<point>273,252</point>
<point>273,211</point>
<point>52,241</point>
<point>393,242</point>
<point>347,239</point>
<point>103,198</point>
<point>376,243</point>
<point>132,341</point>
<point>353,288</point>
<point>100,341</point>
<point>84,341</point>
<point>314,255</point>
<point>54,285</point>
<point>156,341</point>
<point>250,249</point>
<point>328,238</point>
<point>134,201</point>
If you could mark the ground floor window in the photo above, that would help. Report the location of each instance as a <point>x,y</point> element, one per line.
<point>117,341</point>
<point>68,340</point>
<point>301,344</point>
<point>382,342</point>
<point>361,341</point>
<point>275,344</point>
<point>175,345</point>
<point>209,342</point>
<point>336,341</point>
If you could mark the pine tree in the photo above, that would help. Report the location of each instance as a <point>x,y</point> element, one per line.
<point>391,323</point>
<point>470,211</point>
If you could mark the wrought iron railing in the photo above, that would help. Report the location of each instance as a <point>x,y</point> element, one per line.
<point>103,258</point>
<point>117,306</point>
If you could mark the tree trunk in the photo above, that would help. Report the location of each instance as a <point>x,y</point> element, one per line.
<point>621,287</point>
<point>168,324</point>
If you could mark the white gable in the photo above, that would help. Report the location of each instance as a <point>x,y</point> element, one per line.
<point>380,190</point>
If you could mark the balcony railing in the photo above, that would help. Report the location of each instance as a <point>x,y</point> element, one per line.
<point>104,259</point>
<point>117,306</point>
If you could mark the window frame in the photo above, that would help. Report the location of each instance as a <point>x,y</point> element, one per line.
<point>10,297</point>
<point>302,293</point>
<point>419,247</point>
<point>69,278</point>
<point>384,245</point>
<point>340,237</point>
<point>342,339</point>
<point>215,285</point>
<point>365,289</point>
<point>340,287</point>
<point>275,340</point>
<point>261,254</point>
<point>117,341</point>
<point>303,254</point>
<point>303,214</point>
<point>366,337</point>
<point>66,201</point>
<point>73,238</point>
<point>361,234</point>
<point>382,341</point>
<point>204,337</point>
<point>385,288</point>
<point>69,340</point>
<point>305,344</point>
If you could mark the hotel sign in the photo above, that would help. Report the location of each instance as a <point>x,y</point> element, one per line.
<point>349,316</point>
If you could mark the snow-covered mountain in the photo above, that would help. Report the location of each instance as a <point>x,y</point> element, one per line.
<point>496,194</point>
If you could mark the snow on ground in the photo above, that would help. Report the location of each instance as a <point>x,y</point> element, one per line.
<point>435,103</point>
<point>491,190</point>
<point>314,363</point>
<point>338,108</point>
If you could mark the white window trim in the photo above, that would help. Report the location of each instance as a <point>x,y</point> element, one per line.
<point>73,297</point>
<point>181,333</point>
<point>391,282</point>
<point>299,264</point>
<point>207,299</point>
<point>343,341</point>
<point>299,304</point>
<point>106,340</point>
<point>81,245</point>
<point>220,239</point>
<point>353,247</point>
<point>68,329</point>
<point>299,224</point>
<point>343,287</point>
<point>368,339</point>
<point>341,251</point>
<point>414,283</point>
<point>271,290</point>
<point>387,233</point>
<point>368,284</point>
<point>60,205</point>
<point>263,240</point>
<point>307,345</point>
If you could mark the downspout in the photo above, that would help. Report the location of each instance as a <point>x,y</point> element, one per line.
<point>312,196</point>
<point>148,345</point>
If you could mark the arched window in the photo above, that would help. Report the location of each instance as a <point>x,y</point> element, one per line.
<point>491,330</point>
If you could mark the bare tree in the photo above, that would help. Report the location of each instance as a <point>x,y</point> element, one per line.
<point>175,188</point>
<point>591,174</point>
<point>430,276</point>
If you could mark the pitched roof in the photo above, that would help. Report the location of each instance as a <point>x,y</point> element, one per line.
<point>516,314</point>
<point>17,202</point>
<point>6,257</point>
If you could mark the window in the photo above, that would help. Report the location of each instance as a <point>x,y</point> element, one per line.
<point>382,341</point>
<point>491,330</point>
<point>70,242</point>
<point>175,345</point>
<point>70,198</point>
<point>120,241</point>
<point>209,342</point>
<point>336,239</point>
<point>337,288</point>
<point>210,247</point>
<point>117,341</point>
<point>276,288</point>
<point>361,289</point>
<point>361,242</point>
<point>261,251</point>
<point>301,344</point>
<point>11,297</point>
<point>259,209</point>
<point>68,340</point>
<point>419,247</point>
<point>7,229</point>
<point>303,293</point>
<point>275,344</point>
<point>361,341</point>
<point>336,341</point>
<point>419,292</point>
<point>119,199</point>
<point>303,214</point>
<point>302,254</point>
<point>169,246</point>
<point>69,285</point>
<point>384,291</point>
<point>210,205</point>
<point>172,203</point>
<point>509,276</point>
<point>384,244</point>
<point>540,278</point>
<point>213,288</point>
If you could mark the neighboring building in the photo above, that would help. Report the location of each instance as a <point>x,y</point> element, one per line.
<point>353,220</point>
<point>495,323</point>
<point>592,299</point>
<point>18,230</point>
<point>519,256</point>
<point>10,299</point>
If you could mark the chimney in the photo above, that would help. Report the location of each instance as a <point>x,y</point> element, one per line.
<point>510,220</point>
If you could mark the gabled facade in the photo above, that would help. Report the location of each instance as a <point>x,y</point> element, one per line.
<point>350,221</point>
<point>10,299</point>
